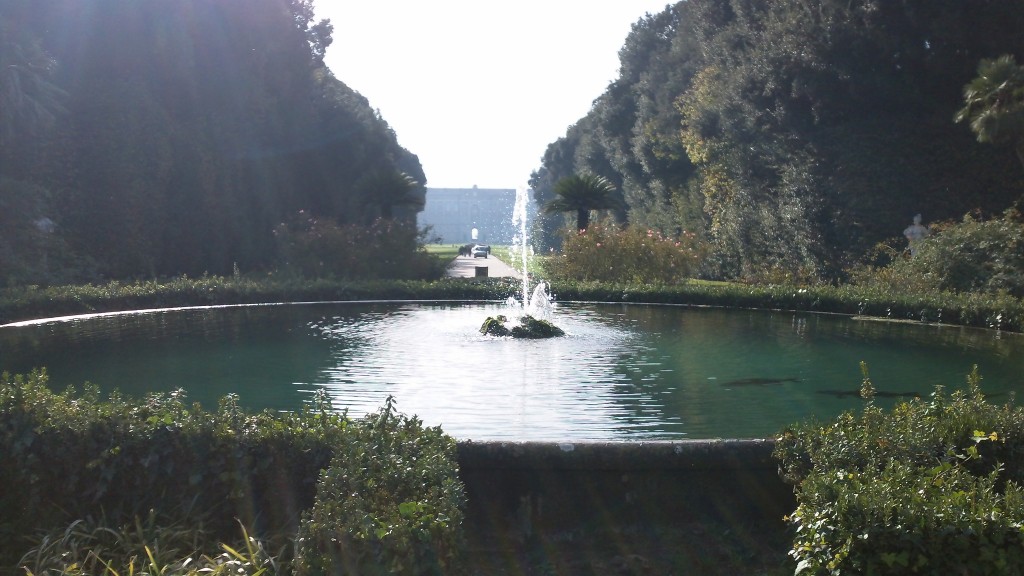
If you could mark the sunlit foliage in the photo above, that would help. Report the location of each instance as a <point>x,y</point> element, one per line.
<point>931,487</point>
<point>795,135</point>
<point>973,255</point>
<point>605,252</point>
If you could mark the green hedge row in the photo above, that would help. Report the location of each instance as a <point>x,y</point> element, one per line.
<point>31,302</point>
<point>387,504</point>
<point>982,310</point>
<point>69,456</point>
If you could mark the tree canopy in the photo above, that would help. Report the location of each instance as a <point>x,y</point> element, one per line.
<point>164,137</point>
<point>795,134</point>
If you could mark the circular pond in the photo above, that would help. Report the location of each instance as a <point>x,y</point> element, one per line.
<point>622,372</point>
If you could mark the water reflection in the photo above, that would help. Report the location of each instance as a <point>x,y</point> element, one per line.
<point>622,371</point>
<point>253,351</point>
<point>434,361</point>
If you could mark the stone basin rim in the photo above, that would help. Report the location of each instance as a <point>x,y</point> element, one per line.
<point>851,315</point>
<point>139,311</point>
<point>666,455</point>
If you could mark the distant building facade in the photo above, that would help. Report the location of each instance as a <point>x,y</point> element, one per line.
<point>453,214</point>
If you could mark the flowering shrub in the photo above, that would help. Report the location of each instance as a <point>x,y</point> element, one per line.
<point>604,252</point>
<point>321,248</point>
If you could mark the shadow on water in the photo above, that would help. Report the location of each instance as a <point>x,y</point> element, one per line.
<point>758,381</point>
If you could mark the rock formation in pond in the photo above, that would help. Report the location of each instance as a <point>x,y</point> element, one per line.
<point>495,326</point>
<point>529,327</point>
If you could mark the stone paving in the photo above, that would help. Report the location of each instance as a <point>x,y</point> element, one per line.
<point>467,267</point>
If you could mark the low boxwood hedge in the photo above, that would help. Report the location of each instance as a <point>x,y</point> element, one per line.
<point>387,504</point>
<point>72,455</point>
<point>930,487</point>
<point>999,311</point>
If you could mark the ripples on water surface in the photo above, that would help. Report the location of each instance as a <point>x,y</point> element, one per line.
<point>622,371</point>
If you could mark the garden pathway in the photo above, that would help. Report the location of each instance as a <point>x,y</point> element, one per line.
<point>465,267</point>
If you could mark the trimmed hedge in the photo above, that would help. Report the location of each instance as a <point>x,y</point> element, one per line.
<point>70,455</point>
<point>998,311</point>
<point>31,302</point>
<point>931,487</point>
<point>387,504</point>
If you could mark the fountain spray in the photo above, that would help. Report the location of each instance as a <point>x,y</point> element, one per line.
<point>537,303</point>
<point>521,239</point>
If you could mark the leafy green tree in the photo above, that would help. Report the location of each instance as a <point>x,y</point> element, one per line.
<point>994,103</point>
<point>807,116</point>
<point>582,193</point>
<point>192,129</point>
<point>638,126</point>
<point>386,189</point>
<point>811,129</point>
<point>22,232</point>
<point>631,134</point>
<point>30,101</point>
<point>318,35</point>
<point>561,159</point>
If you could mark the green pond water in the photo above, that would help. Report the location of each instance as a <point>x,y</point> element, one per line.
<point>622,372</point>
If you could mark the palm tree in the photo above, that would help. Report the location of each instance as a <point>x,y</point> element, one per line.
<point>994,103</point>
<point>581,194</point>
<point>387,189</point>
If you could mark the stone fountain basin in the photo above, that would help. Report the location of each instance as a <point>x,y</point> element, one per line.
<point>621,372</point>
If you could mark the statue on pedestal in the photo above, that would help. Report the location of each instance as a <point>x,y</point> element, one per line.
<point>915,232</point>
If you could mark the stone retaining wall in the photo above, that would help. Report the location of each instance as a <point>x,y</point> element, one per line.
<point>517,490</point>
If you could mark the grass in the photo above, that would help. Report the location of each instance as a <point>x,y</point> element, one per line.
<point>443,251</point>
<point>501,252</point>
<point>535,265</point>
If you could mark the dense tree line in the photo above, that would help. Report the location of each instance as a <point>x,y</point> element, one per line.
<point>795,134</point>
<point>161,137</point>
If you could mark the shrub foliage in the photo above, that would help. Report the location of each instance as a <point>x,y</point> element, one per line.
<point>973,255</point>
<point>603,252</point>
<point>71,456</point>
<point>387,504</point>
<point>311,247</point>
<point>1000,311</point>
<point>932,487</point>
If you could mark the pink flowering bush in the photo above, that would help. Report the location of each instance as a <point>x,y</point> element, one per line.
<point>321,248</point>
<point>604,252</point>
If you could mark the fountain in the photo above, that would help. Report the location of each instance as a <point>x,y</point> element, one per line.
<point>535,309</point>
<point>621,372</point>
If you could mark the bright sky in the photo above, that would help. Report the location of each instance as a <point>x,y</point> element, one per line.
<point>478,88</point>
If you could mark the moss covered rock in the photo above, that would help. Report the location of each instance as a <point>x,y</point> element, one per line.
<point>495,326</point>
<point>529,327</point>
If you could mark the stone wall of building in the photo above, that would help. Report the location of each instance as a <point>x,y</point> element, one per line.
<point>453,213</point>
